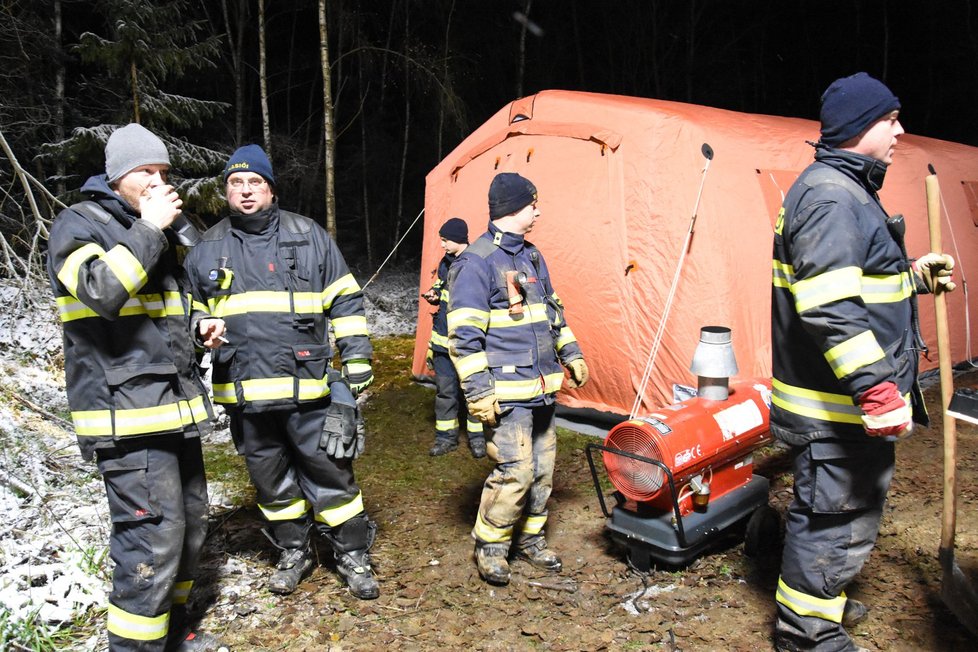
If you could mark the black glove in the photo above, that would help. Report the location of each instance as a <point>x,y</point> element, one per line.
<point>342,432</point>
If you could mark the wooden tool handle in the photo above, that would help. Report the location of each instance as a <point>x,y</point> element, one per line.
<point>947,381</point>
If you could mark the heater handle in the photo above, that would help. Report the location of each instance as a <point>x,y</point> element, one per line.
<point>680,530</point>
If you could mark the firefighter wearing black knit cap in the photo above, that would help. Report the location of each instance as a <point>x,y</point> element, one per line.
<point>449,401</point>
<point>509,341</point>
<point>281,284</point>
<point>845,338</point>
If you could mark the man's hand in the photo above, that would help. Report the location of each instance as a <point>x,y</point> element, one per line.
<point>886,412</point>
<point>578,373</point>
<point>485,409</point>
<point>160,205</point>
<point>359,374</point>
<point>211,332</point>
<point>935,271</point>
<point>431,297</point>
<point>429,359</point>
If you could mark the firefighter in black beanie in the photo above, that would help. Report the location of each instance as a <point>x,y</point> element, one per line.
<point>845,342</point>
<point>450,408</point>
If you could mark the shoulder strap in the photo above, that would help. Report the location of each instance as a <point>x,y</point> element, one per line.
<point>482,247</point>
<point>827,175</point>
<point>93,210</point>
<point>295,223</point>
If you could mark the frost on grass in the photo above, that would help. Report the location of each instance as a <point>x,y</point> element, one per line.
<point>54,522</point>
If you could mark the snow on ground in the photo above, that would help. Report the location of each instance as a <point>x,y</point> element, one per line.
<point>54,524</point>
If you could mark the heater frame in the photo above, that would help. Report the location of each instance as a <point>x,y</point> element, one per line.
<point>665,537</point>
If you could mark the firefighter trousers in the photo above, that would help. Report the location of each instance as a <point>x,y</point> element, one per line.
<point>157,496</point>
<point>831,527</point>
<point>294,477</point>
<point>450,409</point>
<point>524,447</point>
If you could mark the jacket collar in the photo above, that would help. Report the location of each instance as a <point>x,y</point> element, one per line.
<point>509,242</point>
<point>261,222</point>
<point>868,171</point>
<point>97,189</point>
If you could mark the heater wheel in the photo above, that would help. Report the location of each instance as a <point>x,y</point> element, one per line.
<point>763,533</point>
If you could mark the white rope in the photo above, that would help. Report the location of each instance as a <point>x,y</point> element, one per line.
<point>959,266</point>
<point>660,332</point>
<point>393,250</point>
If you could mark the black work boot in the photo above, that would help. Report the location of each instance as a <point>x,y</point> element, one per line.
<point>854,613</point>
<point>442,447</point>
<point>491,561</point>
<point>351,542</point>
<point>294,564</point>
<point>534,550</point>
<point>181,637</point>
<point>296,559</point>
<point>478,448</point>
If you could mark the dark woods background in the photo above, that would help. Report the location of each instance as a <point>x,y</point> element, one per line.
<point>411,78</point>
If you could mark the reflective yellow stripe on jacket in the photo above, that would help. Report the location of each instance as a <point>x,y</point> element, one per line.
<point>139,421</point>
<point>154,305</point>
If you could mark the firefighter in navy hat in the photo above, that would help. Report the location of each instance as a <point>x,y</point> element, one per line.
<point>137,401</point>
<point>509,340</point>
<point>845,339</point>
<point>449,401</point>
<point>280,282</point>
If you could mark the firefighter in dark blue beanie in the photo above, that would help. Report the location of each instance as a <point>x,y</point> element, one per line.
<point>510,349</point>
<point>845,342</point>
<point>450,408</point>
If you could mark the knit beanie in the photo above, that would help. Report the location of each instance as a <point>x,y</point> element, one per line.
<point>508,193</point>
<point>455,230</point>
<point>250,158</point>
<point>851,104</point>
<point>130,147</point>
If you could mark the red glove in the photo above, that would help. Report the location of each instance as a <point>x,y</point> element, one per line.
<point>886,412</point>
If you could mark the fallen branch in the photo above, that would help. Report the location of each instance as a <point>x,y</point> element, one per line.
<point>553,587</point>
<point>64,423</point>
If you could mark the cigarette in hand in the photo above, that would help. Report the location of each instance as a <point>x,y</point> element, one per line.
<point>223,339</point>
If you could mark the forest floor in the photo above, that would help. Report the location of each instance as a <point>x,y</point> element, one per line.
<point>431,595</point>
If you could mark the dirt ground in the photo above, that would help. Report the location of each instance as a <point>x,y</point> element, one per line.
<point>433,599</point>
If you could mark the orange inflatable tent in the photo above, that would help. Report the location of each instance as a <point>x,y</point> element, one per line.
<point>618,178</point>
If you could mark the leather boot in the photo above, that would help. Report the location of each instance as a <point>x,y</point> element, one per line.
<point>534,550</point>
<point>478,448</point>
<point>182,638</point>
<point>294,564</point>
<point>355,568</point>
<point>442,447</point>
<point>351,542</point>
<point>491,561</point>
<point>854,613</point>
<point>295,560</point>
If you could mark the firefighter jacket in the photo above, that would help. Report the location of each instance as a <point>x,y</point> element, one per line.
<point>516,356</point>
<point>439,323</point>
<point>279,282</point>
<point>843,301</point>
<point>124,304</point>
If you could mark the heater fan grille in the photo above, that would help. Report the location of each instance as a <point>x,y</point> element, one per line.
<point>635,479</point>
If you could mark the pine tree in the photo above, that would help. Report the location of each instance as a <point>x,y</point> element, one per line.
<point>148,47</point>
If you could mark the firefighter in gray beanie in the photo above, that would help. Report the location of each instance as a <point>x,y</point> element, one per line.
<point>113,268</point>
